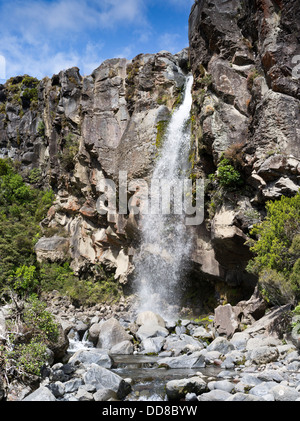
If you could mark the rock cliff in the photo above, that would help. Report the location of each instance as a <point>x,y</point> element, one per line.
<point>70,132</point>
<point>246,109</point>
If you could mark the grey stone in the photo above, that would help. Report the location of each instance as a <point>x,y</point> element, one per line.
<point>224,385</point>
<point>112,333</point>
<point>149,330</point>
<point>122,348</point>
<point>152,345</point>
<point>195,360</point>
<point>262,389</point>
<point>243,397</point>
<point>221,345</point>
<point>284,393</point>
<point>263,355</point>
<point>41,394</point>
<point>149,317</point>
<point>214,395</point>
<point>72,385</point>
<point>102,395</point>
<point>92,355</point>
<point>177,389</point>
<point>102,378</point>
<point>239,340</point>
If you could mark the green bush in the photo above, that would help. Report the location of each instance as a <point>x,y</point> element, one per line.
<point>81,291</point>
<point>21,210</point>
<point>277,249</point>
<point>24,354</point>
<point>227,175</point>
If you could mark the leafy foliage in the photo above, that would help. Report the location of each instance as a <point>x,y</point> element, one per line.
<point>277,250</point>
<point>21,210</point>
<point>227,175</point>
<point>32,329</point>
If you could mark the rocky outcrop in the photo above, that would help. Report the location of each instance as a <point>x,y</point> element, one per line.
<point>71,132</point>
<point>246,107</point>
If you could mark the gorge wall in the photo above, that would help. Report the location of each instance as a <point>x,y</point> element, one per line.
<point>69,132</point>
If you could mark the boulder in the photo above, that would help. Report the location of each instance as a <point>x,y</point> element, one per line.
<point>92,356</point>
<point>285,393</point>
<point>122,348</point>
<point>150,317</point>
<point>152,345</point>
<point>226,320</point>
<point>102,378</point>
<point>151,329</point>
<point>111,333</point>
<point>275,322</point>
<point>263,355</point>
<point>41,394</point>
<point>221,345</point>
<point>94,331</point>
<point>177,389</point>
<point>239,340</point>
<point>214,395</point>
<point>194,360</point>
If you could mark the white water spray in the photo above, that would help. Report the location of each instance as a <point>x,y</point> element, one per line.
<point>165,244</point>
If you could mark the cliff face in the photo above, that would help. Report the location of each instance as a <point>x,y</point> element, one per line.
<point>246,108</point>
<point>69,132</point>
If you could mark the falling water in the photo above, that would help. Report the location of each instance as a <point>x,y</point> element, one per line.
<point>165,244</point>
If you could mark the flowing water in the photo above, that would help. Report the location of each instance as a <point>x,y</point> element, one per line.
<point>165,245</point>
<point>148,379</point>
<point>160,263</point>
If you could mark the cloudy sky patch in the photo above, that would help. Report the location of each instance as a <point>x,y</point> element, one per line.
<point>42,37</point>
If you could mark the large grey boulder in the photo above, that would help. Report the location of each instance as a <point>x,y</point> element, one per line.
<point>111,333</point>
<point>152,345</point>
<point>285,393</point>
<point>263,355</point>
<point>214,395</point>
<point>221,345</point>
<point>122,348</point>
<point>151,329</point>
<point>177,389</point>
<point>226,320</point>
<point>102,378</point>
<point>92,356</point>
<point>149,316</point>
<point>194,360</point>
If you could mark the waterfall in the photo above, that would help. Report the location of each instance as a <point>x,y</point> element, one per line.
<point>165,244</point>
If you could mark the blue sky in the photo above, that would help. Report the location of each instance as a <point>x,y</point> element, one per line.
<point>42,37</point>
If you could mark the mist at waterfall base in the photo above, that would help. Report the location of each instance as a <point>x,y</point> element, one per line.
<point>165,244</point>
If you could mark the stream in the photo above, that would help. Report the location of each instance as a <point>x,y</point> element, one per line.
<point>147,378</point>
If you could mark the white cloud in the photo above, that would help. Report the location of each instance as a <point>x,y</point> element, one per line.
<point>39,37</point>
<point>169,42</point>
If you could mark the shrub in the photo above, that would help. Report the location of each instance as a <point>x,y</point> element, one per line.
<point>276,235</point>
<point>277,250</point>
<point>227,175</point>
<point>32,329</point>
<point>21,210</point>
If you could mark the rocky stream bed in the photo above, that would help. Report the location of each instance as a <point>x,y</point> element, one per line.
<point>113,354</point>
